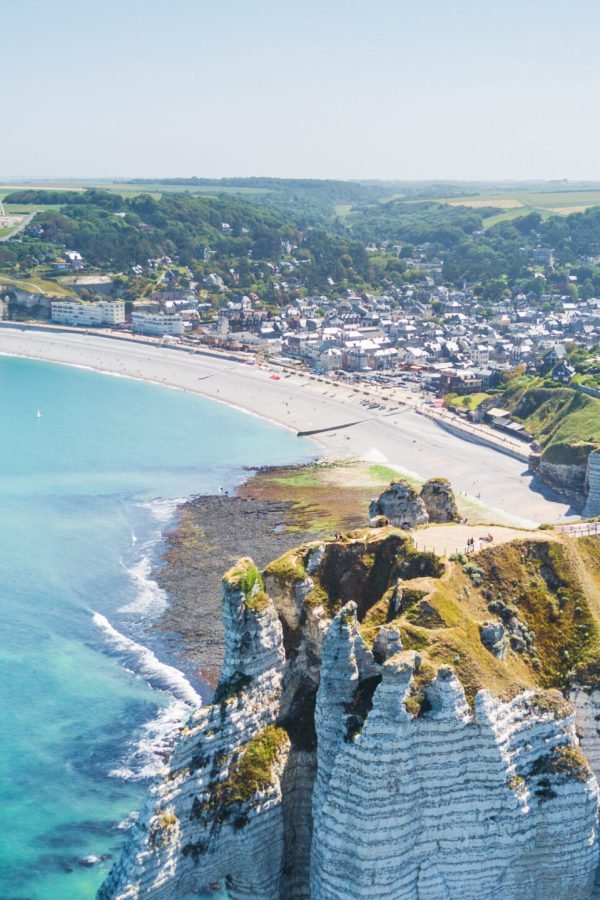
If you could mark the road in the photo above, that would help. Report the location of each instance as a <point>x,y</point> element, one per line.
<point>23,224</point>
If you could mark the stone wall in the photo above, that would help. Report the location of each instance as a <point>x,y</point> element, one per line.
<point>592,480</point>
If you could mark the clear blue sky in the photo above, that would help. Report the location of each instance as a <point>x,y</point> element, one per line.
<point>381,89</point>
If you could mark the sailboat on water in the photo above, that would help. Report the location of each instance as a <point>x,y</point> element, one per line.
<point>38,415</point>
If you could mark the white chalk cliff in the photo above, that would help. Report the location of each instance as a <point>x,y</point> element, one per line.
<point>330,768</point>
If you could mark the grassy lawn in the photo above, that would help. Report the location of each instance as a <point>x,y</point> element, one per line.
<point>468,401</point>
<point>37,285</point>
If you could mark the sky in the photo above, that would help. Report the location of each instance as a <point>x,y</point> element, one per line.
<point>386,89</point>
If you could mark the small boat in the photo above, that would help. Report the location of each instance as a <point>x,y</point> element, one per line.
<point>38,415</point>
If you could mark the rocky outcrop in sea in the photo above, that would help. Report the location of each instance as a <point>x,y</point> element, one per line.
<point>354,749</point>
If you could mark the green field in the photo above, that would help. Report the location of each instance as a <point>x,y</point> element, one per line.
<point>343,210</point>
<point>22,209</point>
<point>124,189</point>
<point>515,204</point>
<point>467,401</point>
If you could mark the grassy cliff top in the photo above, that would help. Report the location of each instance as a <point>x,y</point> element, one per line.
<point>565,421</point>
<point>244,576</point>
<point>545,592</point>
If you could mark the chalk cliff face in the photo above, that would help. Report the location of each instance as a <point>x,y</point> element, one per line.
<point>350,751</point>
<point>439,500</point>
<point>568,479</point>
<point>402,506</point>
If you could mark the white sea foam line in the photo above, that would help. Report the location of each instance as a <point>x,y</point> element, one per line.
<point>162,510</point>
<point>142,661</point>
<point>150,598</point>
<point>128,823</point>
<point>149,753</point>
<point>265,416</point>
<point>98,369</point>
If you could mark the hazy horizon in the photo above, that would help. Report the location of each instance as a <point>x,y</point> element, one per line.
<point>392,91</point>
<point>162,179</point>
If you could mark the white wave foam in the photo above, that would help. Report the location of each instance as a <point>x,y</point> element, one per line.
<point>149,752</point>
<point>128,823</point>
<point>142,661</point>
<point>162,510</point>
<point>150,599</point>
<point>148,755</point>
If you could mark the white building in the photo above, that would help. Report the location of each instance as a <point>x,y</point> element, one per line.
<point>74,259</point>
<point>76,312</point>
<point>480,354</point>
<point>157,323</point>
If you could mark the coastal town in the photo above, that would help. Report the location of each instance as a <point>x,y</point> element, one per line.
<point>426,340</point>
<point>432,336</point>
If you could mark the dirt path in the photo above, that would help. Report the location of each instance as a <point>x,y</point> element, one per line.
<point>448,539</point>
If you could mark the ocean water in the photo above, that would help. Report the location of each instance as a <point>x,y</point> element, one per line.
<point>89,702</point>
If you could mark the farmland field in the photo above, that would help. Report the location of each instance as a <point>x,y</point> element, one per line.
<point>128,190</point>
<point>514,204</point>
<point>482,202</point>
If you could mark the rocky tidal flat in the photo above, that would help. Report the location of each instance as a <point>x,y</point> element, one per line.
<point>272,511</point>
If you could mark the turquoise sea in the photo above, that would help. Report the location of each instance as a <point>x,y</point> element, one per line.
<point>90,702</point>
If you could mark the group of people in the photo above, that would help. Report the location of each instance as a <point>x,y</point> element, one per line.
<point>488,538</point>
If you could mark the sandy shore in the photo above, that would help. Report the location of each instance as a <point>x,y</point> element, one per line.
<point>401,439</point>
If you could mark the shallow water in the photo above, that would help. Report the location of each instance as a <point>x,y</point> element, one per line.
<point>90,701</point>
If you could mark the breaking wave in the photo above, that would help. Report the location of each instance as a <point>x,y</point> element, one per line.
<point>148,753</point>
<point>141,661</point>
<point>150,599</point>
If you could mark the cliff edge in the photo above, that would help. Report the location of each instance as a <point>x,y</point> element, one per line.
<point>388,724</point>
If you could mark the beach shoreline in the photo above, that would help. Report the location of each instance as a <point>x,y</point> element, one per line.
<point>399,438</point>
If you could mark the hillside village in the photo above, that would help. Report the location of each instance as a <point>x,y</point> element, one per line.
<point>498,325</point>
